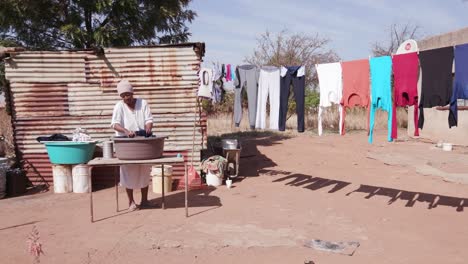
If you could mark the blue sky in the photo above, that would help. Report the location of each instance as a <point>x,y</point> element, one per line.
<point>230,28</point>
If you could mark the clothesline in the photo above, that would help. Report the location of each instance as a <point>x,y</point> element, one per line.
<point>438,88</point>
<point>364,82</point>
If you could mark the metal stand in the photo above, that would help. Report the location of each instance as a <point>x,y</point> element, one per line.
<point>233,157</point>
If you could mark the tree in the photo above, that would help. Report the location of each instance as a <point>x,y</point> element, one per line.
<point>397,35</point>
<point>286,48</point>
<point>53,24</point>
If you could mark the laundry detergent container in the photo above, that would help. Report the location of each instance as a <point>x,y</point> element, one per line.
<point>138,148</point>
<point>70,152</point>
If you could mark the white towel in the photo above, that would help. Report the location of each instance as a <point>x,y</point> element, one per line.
<point>331,89</point>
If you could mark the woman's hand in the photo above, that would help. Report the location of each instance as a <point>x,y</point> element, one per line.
<point>129,133</point>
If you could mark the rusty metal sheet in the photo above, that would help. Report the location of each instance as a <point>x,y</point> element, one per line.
<point>58,91</point>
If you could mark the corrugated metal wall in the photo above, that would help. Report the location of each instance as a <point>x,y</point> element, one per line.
<point>58,91</point>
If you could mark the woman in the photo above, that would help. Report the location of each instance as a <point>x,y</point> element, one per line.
<point>129,116</point>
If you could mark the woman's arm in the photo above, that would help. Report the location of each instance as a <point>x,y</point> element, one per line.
<point>121,129</point>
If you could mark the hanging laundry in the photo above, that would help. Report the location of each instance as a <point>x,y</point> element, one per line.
<point>436,87</point>
<point>228,73</point>
<point>460,87</point>
<point>405,83</point>
<point>331,89</point>
<point>206,83</point>
<point>233,73</point>
<point>381,91</point>
<point>268,85</point>
<point>355,87</point>
<point>247,78</point>
<point>294,75</point>
<point>218,92</point>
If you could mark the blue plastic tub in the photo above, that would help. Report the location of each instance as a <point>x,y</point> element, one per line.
<point>69,152</point>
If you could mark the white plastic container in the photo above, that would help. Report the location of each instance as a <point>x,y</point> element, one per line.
<point>63,182</point>
<point>447,146</point>
<point>156,178</point>
<point>107,150</point>
<point>213,180</point>
<point>81,175</point>
<point>229,183</point>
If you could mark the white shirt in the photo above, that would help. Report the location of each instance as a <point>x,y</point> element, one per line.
<point>133,120</point>
<point>331,89</point>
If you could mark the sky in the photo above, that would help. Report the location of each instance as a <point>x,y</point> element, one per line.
<point>230,29</point>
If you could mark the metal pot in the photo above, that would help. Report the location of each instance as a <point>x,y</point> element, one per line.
<point>230,143</point>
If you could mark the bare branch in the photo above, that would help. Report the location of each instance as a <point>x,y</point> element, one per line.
<point>397,35</point>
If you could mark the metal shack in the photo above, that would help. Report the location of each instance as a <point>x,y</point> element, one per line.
<point>59,91</point>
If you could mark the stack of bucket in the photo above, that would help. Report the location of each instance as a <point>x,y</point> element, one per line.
<point>156,175</point>
<point>71,178</point>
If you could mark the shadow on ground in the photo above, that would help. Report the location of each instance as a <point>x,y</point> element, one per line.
<point>411,198</point>
<point>251,160</point>
<point>196,198</point>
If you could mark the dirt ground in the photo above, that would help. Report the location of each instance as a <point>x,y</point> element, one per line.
<point>403,202</point>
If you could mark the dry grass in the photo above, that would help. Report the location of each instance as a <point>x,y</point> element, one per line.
<point>355,120</point>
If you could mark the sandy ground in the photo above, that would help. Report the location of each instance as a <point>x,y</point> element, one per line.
<point>403,202</point>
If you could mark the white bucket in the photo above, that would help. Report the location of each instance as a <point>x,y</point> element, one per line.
<point>447,146</point>
<point>3,169</point>
<point>213,180</point>
<point>156,175</point>
<point>63,182</point>
<point>81,178</point>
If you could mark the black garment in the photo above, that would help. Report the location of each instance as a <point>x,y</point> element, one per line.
<point>142,133</point>
<point>54,137</point>
<point>299,96</point>
<point>436,90</point>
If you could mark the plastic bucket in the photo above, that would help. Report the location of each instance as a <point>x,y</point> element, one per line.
<point>69,152</point>
<point>156,175</point>
<point>139,148</point>
<point>213,180</point>
<point>62,175</point>
<point>81,175</point>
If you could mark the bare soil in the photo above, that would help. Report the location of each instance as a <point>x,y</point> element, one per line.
<point>402,201</point>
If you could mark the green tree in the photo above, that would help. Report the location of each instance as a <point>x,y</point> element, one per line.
<point>53,24</point>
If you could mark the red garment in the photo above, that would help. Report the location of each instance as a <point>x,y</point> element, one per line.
<point>405,81</point>
<point>228,73</point>
<point>356,87</point>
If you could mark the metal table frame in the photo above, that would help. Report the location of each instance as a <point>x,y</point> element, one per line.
<point>101,162</point>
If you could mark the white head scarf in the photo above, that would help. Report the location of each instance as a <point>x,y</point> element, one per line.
<point>124,86</point>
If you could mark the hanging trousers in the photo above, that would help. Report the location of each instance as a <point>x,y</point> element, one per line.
<point>268,85</point>
<point>247,79</point>
<point>289,77</point>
